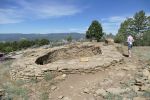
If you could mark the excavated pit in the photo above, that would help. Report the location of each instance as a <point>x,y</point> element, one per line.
<point>68,53</point>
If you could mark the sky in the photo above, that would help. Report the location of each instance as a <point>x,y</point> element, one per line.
<point>64,16</point>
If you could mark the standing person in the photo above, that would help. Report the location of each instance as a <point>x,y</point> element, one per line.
<point>130,41</point>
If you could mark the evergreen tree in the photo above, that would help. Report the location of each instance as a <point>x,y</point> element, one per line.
<point>42,42</point>
<point>124,31</point>
<point>138,26</point>
<point>95,31</point>
<point>69,38</point>
<point>140,23</point>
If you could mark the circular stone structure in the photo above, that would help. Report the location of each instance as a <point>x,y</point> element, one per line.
<point>73,58</point>
<point>72,52</point>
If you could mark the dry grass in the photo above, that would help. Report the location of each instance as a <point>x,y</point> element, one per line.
<point>13,89</point>
<point>4,72</point>
<point>143,52</point>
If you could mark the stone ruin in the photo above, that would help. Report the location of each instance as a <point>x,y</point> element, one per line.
<point>71,52</point>
<point>74,58</point>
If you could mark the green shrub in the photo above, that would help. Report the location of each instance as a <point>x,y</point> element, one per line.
<point>111,96</point>
<point>69,38</point>
<point>44,96</point>
<point>34,80</point>
<point>146,93</point>
<point>48,76</point>
<point>13,91</point>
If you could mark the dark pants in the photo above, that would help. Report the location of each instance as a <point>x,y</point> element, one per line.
<point>129,46</point>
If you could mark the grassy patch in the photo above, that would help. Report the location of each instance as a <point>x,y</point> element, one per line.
<point>146,93</point>
<point>13,92</point>
<point>111,96</point>
<point>120,49</point>
<point>4,72</point>
<point>44,96</point>
<point>142,52</point>
<point>48,76</point>
<point>33,80</point>
<point>13,89</point>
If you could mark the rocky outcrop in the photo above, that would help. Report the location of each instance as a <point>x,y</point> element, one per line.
<point>75,58</point>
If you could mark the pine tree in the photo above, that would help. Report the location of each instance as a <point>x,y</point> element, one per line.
<point>95,31</point>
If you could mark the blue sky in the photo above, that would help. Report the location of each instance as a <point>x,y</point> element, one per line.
<point>54,16</point>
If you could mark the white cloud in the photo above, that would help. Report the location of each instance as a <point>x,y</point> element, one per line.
<point>9,16</point>
<point>6,20</point>
<point>111,24</point>
<point>114,19</point>
<point>36,9</point>
<point>49,8</point>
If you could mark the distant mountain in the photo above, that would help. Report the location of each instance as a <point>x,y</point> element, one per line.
<point>49,36</point>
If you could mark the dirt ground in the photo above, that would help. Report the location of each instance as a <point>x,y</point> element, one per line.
<point>84,86</point>
<point>124,81</point>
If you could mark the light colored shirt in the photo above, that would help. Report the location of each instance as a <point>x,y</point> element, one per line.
<point>130,39</point>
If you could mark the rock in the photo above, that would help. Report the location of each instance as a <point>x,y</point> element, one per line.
<point>135,88</point>
<point>106,82</point>
<point>61,77</point>
<point>109,41</point>
<point>53,87</point>
<point>64,76</point>
<point>139,98</point>
<point>101,92</point>
<point>67,98</point>
<point>149,77</point>
<point>125,68</point>
<point>71,87</point>
<point>121,74</point>
<point>146,72</point>
<point>144,88</point>
<point>60,97</point>
<point>138,82</point>
<point>85,59</point>
<point>89,97</point>
<point>86,90</point>
<point>126,99</point>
